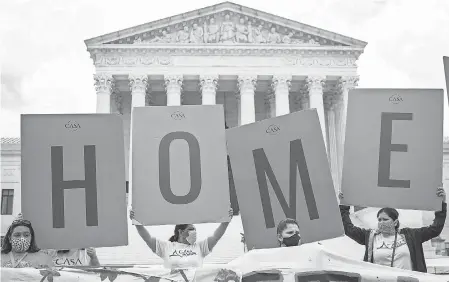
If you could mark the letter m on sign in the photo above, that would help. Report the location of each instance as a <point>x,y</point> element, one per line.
<point>59,185</point>
<point>297,164</point>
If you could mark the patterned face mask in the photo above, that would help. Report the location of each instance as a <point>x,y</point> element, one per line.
<point>386,226</point>
<point>20,244</point>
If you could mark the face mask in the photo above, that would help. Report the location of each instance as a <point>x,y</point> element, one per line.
<point>20,245</point>
<point>192,237</point>
<point>386,226</point>
<point>292,240</point>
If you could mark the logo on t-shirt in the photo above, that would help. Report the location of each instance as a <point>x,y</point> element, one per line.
<point>68,261</point>
<point>389,245</point>
<point>183,253</point>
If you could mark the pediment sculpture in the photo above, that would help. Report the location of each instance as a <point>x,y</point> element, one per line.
<point>227,29</point>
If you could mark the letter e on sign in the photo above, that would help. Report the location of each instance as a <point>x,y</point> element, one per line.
<point>385,149</point>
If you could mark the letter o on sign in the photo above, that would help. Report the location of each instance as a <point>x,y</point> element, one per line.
<point>195,168</point>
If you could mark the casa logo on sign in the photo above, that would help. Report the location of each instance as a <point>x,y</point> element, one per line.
<point>178,115</point>
<point>273,129</point>
<point>396,99</point>
<point>72,125</point>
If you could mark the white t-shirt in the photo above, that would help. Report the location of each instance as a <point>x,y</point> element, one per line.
<point>383,251</point>
<point>181,256</point>
<point>75,257</point>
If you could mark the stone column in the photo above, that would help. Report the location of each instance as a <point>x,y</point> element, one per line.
<point>247,88</point>
<point>138,84</point>
<point>104,85</point>
<point>208,86</point>
<point>330,106</point>
<point>344,85</point>
<point>281,87</point>
<point>117,98</point>
<point>173,86</point>
<point>315,86</point>
<point>270,104</point>
<point>303,99</point>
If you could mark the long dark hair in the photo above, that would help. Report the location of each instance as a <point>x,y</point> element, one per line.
<point>178,227</point>
<point>6,248</point>
<point>392,213</point>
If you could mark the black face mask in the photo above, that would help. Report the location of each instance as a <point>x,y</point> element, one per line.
<point>291,241</point>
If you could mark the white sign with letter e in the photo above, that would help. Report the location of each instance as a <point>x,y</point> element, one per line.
<point>393,148</point>
<point>281,170</point>
<point>179,161</point>
<point>73,180</point>
<point>446,74</point>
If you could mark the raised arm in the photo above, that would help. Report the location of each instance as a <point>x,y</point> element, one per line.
<point>355,233</point>
<point>434,230</point>
<point>143,232</point>
<point>213,240</point>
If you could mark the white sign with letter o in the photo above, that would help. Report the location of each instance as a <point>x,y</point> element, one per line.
<point>393,148</point>
<point>179,162</point>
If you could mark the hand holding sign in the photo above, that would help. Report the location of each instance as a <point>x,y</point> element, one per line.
<point>441,193</point>
<point>91,252</point>
<point>340,196</point>
<point>231,213</point>
<point>133,219</point>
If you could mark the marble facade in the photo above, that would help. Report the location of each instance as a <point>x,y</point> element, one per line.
<point>255,64</point>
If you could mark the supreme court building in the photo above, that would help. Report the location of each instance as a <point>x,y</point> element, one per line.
<point>257,65</point>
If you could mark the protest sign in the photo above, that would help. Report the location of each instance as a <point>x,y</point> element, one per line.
<point>446,73</point>
<point>73,180</point>
<point>280,170</point>
<point>232,192</point>
<point>394,140</point>
<point>180,172</point>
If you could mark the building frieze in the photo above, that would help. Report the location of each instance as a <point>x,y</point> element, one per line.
<point>224,50</point>
<point>168,57</point>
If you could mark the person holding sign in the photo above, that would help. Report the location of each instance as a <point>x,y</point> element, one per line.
<point>390,245</point>
<point>182,251</point>
<point>19,248</point>
<point>288,233</point>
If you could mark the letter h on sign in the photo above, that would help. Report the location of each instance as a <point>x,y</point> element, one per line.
<point>59,185</point>
<point>264,170</point>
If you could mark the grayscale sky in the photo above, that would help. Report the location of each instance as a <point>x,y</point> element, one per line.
<point>45,67</point>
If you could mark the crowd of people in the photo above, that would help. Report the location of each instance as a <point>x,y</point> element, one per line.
<point>388,245</point>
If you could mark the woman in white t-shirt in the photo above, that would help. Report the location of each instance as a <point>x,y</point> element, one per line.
<point>182,251</point>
